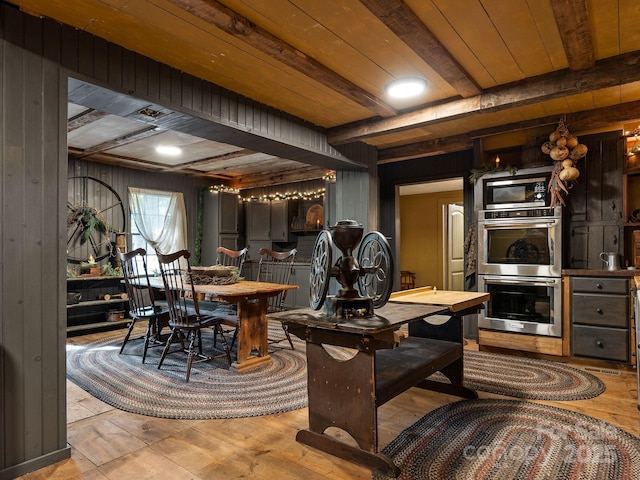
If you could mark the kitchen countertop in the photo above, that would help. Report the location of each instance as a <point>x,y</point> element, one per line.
<point>577,272</point>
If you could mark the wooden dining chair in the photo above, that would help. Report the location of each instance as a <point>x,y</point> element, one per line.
<point>142,302</point>
<point>276,267</point>
<point>229,311</point>
<point>185,319</point>
<point>232,258</point>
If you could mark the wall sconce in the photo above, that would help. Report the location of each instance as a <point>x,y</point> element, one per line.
<point>635,148</point>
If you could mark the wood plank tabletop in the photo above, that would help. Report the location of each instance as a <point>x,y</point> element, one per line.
<point>242,288</point>
<point>456,301</point>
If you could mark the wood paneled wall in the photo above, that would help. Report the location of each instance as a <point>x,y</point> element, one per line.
<point>33,315</point>
<point>37,56</point>
<point>420,170</point>
<point>120,179</point>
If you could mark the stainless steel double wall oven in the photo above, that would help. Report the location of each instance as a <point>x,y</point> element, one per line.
<point>520,254</point>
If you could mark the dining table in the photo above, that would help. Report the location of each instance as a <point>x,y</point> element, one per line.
<point>251,298</point>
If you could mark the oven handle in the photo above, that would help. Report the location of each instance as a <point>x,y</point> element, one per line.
<point>521,281</point>
<point>519,223</point>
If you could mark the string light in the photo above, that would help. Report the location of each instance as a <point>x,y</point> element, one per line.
<point>223,188</point>
<point>313,195</point>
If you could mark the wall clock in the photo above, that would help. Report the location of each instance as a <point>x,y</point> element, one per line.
<point>95,213</point>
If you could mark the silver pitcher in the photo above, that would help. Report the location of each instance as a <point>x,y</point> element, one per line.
<point>611,260</point>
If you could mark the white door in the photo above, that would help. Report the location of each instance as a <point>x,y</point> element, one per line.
<point>454,247</point>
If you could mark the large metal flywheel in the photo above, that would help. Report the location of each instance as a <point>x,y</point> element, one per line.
<point>95,213</point>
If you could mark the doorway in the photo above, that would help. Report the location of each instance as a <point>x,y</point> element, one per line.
<point>432,233</point>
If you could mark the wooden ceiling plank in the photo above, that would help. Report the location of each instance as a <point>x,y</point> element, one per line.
<point>547,27</point>
<point>628,33</point>
<point>572,17</point>
<point>475,27</point>
<point>241,28</point>
<point>606,73</point>
<point>403,22</point>
<point>517,25</point>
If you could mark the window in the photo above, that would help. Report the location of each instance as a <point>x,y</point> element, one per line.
<point>158,222</point>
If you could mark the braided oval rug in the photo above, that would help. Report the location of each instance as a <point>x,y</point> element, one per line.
<point>529,378</point>
<point>213,391</point>
<point>512,439</point>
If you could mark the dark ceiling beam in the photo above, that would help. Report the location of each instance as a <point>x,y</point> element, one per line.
<point>211,160</point>
<point>85,117</point>
<point>572,18</point>
<point>587,120</point>
<point>610,72</point>
<point>269,178</point>
<point>241,28</point>
<point>401,20</point>
<point>148,131</point>
<point>137,163</point>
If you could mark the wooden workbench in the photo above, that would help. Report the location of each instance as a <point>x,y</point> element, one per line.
<point>346,393</point>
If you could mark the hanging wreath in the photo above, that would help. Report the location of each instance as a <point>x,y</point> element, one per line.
<point>565,150</point>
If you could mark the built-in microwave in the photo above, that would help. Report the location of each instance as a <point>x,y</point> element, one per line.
<point>525,242</point>
<point>504,193</point>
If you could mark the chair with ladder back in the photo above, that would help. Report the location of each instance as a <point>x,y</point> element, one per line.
<point>276,267</point>
<point>142,303</point>
<point>229,311</point>
<point>185,319</point>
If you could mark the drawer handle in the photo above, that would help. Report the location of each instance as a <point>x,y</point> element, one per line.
<point>599,286</point>
<point>600,343</point>
<point>599,310</point>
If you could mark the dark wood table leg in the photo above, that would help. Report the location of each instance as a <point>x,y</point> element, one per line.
<point>450,331</point>
<point>342,395</point>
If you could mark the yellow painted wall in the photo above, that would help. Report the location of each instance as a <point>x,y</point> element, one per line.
<point>421,238</point>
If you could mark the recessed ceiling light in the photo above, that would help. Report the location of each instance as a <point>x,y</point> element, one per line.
<point>168,150</point>
<point>406,87</point>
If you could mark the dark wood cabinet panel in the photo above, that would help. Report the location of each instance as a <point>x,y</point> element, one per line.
<point>594,211</point>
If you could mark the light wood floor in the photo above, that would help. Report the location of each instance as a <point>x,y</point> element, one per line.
<point>107,443</point>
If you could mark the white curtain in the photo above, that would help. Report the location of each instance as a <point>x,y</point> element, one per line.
<point>165,235</point>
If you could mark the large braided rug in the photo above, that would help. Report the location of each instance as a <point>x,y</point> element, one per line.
<point>215,391</point>
<point>513,439</point>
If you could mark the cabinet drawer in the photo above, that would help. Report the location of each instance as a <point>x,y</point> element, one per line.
<point>600,285</point>
<point>600,342</point>
<point>602,310</point>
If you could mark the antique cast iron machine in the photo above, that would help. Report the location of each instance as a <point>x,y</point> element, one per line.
<point>372,271</point>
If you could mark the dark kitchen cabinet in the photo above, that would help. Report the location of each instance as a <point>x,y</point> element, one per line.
<point>593,216</point>
<point>299,298</point>
<point>220,224</point>
<point>258,221</point>
<point>601,318</point>
<point>282,214</point>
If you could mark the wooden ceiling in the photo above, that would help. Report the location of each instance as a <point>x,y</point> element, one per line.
<point>501,70</point>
